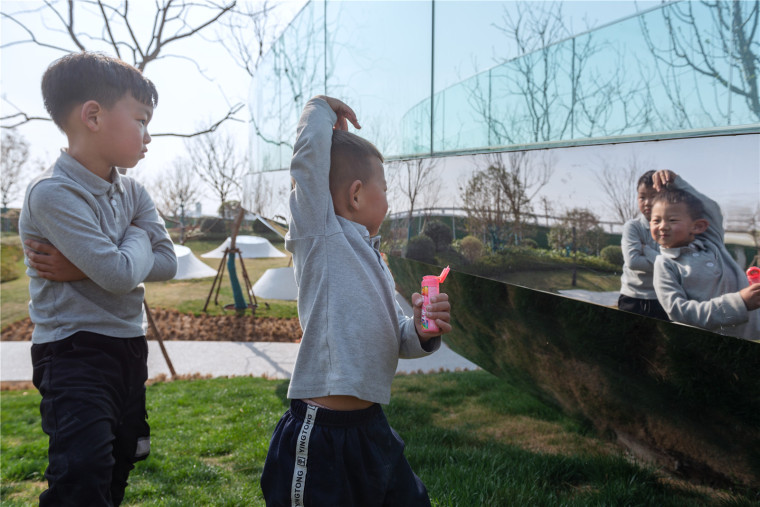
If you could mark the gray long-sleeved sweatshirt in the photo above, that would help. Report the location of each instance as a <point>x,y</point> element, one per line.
<point>699,284</point>
<point>353,329</point>
<point>112,233</point>
<point>639,253</point>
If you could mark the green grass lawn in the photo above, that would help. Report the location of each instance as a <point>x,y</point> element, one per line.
<point>472,438</point>
<point>187,296</point>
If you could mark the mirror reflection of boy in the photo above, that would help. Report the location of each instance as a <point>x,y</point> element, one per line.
<point>696,279</point>
<point>334,445</point>
<point>639,249</point>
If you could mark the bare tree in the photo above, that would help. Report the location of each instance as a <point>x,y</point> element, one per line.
<point>415,180</point>
<point>177,190</point>
<point>725,49</point>
<point>214,159</point>
<point>551,91</point>
<point>499,199</point>
<point>116,27</point>
<point>260,194</point>
<point>15,154</point>
<point>619,186</point>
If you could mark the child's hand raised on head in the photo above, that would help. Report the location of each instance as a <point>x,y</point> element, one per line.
<point>751,296</point>
<point>662,178</point>
<point>345,113</point>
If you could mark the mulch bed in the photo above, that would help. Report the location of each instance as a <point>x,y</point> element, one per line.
<point>174,325</point>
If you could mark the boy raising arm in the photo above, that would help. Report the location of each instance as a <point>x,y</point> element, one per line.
<point>334,446</point>
<point>696,279</point>
<point>97,237</point>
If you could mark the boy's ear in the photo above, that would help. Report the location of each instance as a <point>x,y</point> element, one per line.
<point>700,225</point>
<point>90,114</point>
<point>354,191</point>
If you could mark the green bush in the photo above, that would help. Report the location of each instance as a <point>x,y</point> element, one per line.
<point>613,254</point>
<point>440,233</point>
<point>421,248</point>
<point>10,255</point>
<point>471,248</point>
<point>529,243</point>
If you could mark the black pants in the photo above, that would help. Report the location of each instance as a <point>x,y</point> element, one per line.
<point>319,457</point>
<point>93,410</point>
<point>646,307</point>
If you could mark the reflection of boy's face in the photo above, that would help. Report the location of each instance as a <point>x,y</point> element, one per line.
<point>671,225</point>
<point>644,198</point>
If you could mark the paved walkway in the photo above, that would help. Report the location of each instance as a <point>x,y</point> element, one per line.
<point>219,359</point>
<point>230,359</point>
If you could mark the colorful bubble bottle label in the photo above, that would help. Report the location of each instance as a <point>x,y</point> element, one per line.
<point>753,275</point>
<point>430,286</point>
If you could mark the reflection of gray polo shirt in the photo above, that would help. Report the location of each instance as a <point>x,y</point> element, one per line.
<point>89,220</point>
<point>698,284</point>
<point>639,253</point>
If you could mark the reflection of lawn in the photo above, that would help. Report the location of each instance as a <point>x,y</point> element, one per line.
<point>561,279</point>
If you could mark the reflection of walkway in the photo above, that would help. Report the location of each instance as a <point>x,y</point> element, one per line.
<point>599,298</point>
<point>218,359</point>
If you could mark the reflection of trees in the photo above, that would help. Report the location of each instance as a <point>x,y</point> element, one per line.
<point>619,186</point>
<point>726,50</point>
<point>415,179</point>
<point>578,229</point>
<point>295,70</point>
<point>559,95</point>
<point>498,199</point>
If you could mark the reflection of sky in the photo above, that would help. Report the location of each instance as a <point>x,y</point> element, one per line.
<point>726,168</point>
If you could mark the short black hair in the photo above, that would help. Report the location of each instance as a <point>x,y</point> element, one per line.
<point>79,77</point>
<point>646,179</point>
<point>671,196</point>
<point>349,158</point>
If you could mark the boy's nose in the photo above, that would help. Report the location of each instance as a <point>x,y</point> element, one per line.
<point>146,138</point>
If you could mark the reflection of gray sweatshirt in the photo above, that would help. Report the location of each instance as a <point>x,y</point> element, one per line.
<point>639,253</point>
<point>353,329</point>
<point>698,284</point>
<point>89,221</point>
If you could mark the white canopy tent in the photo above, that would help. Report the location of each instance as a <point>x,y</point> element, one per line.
<point>251,247</point>
<point>189,266</point>
<point>277,283</point>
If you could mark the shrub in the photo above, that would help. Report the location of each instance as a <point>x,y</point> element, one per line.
<point>9,258</point>
<point>440,233</point>
<point>612,254</point>
<point>421,248</point>
<point>471,248</point>
<point>529,243</point>
<point>214,226</point>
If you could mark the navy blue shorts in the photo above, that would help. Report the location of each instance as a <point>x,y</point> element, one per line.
<point>320,457</point>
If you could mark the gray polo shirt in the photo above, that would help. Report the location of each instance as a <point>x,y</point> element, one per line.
<point>109,230</point>
<point>639,253</point>
<point>353,329</point>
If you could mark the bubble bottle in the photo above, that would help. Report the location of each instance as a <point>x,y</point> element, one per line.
<point>429,289</point>
<point>753,275</point>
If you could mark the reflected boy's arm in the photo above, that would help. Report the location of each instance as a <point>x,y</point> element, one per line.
<point>725,310</point>
<point>637,255</point>
<point>751,296</point>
